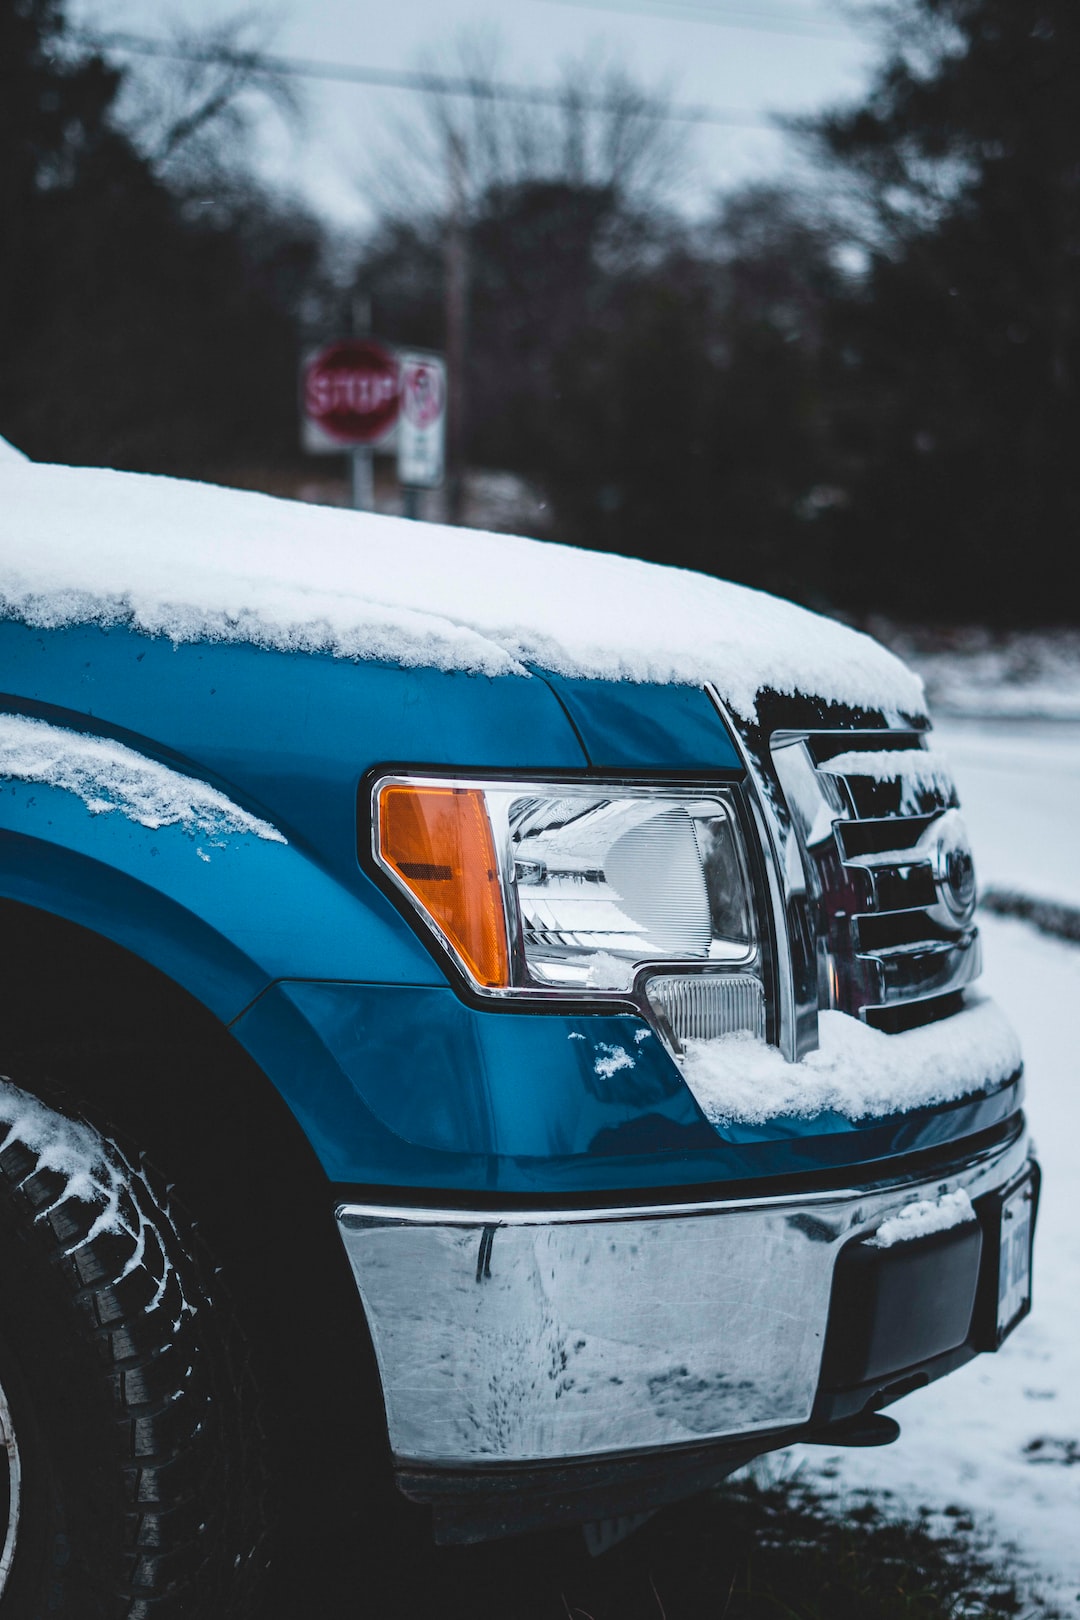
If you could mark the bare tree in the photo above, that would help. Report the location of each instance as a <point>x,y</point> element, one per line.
<point>190,103</point>
<point>477,130</point>
<point>481,140</point>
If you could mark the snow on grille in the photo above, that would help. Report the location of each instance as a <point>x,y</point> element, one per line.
<point>857,1071</point>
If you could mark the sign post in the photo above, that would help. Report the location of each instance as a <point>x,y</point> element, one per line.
<point>350,399</point>
<point>421,426</point>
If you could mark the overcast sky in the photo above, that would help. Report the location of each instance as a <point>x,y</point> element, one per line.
<point>751,57</point>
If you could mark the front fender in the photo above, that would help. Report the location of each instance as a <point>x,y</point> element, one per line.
<point>223,918</point>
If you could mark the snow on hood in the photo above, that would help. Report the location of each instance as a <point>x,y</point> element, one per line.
<point>195,562</point>
<point>8,453</point>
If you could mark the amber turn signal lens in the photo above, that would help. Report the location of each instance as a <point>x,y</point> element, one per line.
<point>438,842</point>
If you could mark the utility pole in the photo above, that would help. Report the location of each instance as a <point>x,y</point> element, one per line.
<point>362,459</point>
<point>457,299</point>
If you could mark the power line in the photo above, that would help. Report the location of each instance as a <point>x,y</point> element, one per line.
<point>302,67</point>
<point>758,22</point>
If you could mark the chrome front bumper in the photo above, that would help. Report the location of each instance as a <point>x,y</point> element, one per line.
<point>542,1335</point>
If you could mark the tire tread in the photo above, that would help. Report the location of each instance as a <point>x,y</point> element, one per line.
<point>175,1368</point>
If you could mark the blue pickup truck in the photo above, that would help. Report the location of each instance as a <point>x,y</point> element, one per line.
<point>490,1035</point>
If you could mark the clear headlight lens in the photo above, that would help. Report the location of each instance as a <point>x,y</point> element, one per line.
<point>572,887</point>
<point>604,881</point>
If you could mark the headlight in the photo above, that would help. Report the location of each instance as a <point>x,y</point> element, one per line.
<point>575,888</point>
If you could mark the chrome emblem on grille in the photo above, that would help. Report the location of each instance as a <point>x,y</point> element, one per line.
<point>954,868</point>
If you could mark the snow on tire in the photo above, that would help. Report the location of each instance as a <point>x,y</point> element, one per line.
<point>130,1490</point>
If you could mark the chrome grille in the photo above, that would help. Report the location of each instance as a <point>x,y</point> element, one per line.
<point>890,882</point>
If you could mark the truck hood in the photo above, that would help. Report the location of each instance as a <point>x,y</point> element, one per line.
<point>194,562</point>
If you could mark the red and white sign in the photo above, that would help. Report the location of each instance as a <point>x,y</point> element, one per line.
<point>422,425</point>
<point>350,394</point>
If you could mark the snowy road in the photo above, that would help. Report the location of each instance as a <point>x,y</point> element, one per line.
<point>1001,1437</point>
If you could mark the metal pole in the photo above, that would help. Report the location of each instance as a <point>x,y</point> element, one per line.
<point>362,479</point>
<point>361,315</point>
<point>411,499</point>
<point>457,294</point>
<point>361,460</point>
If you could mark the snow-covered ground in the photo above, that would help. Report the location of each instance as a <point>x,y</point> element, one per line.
<point>1001,1437</point>
<point>1019,784</point>
<point>975,672</point>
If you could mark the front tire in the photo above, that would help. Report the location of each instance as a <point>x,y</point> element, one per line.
<point>131,1489</point>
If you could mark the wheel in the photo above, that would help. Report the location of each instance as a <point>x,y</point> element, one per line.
<point>131,1487</point>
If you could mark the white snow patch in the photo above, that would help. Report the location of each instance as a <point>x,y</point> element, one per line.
<point>608,972</point>
<point>193,562</point>
<point>923,1217</point>
<point>612,1060</point>
<point>857,1071</point>
<point>9,453</point>
<point>107,776</point>
<point>65,1146</point>
<point>92,1170</point>
<point>915,767</point>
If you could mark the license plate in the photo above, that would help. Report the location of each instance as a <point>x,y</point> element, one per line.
<point>1014,1256</point>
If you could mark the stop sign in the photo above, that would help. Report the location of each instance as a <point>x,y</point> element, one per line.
<point>352,391</point>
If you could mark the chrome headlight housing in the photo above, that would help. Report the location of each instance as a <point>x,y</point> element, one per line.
<point>583,889</point>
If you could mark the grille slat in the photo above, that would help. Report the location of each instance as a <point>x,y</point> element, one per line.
<point>894,888</point>
<point>911,972</point>
<point>875,840</point>
<point>893,930</point>
<point>867,797</point>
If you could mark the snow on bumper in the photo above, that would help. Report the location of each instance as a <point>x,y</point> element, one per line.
<point>528,1336</point>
